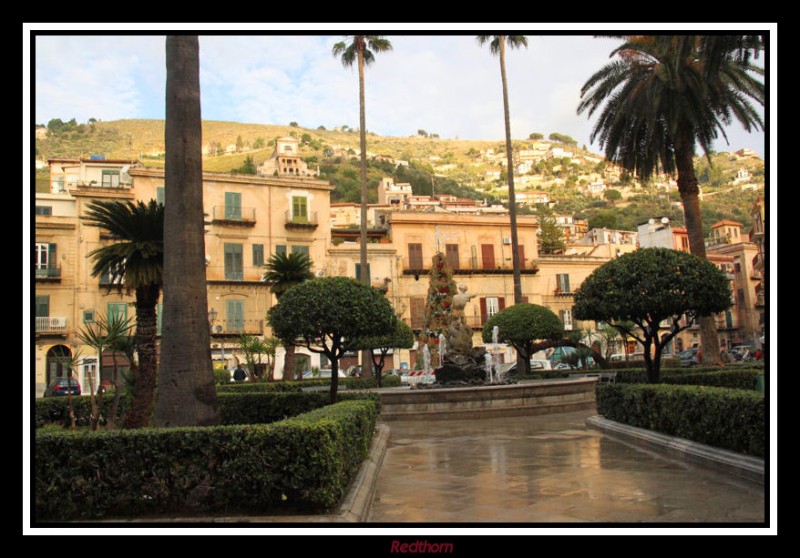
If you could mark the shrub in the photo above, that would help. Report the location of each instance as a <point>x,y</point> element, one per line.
<point>54,410</point>
<point>732,419</point>
<point>221,376</point>
<point>301,464</point>
<point>259,387</point>
<point>738,378</point>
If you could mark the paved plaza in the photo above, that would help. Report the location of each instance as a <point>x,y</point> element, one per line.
<point>546,469</point>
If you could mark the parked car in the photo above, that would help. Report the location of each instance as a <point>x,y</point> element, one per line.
<point>354,371</point>
<point>324,373</point>
<point>688,357</point>
<point>63,386</point>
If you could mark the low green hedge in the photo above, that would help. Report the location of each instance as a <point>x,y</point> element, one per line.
<point>255,408</point>
<point>55,410</point>
<point>258,387</point>
<point>731,377</point>
<point>354,383</point>
<point>239,406</point>
<point>303,464</point>
<point>732,419</point>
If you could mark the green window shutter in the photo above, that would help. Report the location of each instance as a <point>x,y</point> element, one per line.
<point>280,249</point>
<point>358,271</point>
<point>159,312</point>
<point>300,250</point>
<point>160,195</point>
<point>117,311</point>
<point>233,262</point>
<point>234,316</point>
<point>299,209</point>
<point>233,206</point>
<point>42,306</point>
<point>258,255</point>
<point>52,262</point>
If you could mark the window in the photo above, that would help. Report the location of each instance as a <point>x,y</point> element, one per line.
<point>358,272</point>
<point>88,316</point>
<point>415,256</point>
<point>233,206</point>
<point>44,258</point>
<point>117,311</point>
<point>113,276</point>
<point>280,249</point>
<point>233,262</point>
<point>563,282</point>
<point>301,250</point>
<point>417,305</point>
<point>299,209</point>
<point>490,306</point>
<point>110,179</point>
<point>566,318</point>
<point>160,194</point>
<point>452,255</point>
<point>234,315</point>
<point>487,256</point>
<point>44,210</point>
<point>258,255</point>
<point>42,306</point>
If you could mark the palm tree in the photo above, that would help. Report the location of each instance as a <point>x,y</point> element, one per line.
<point>497,45</point>
<point>284,271</point>
<point>361,49</point>
<point>186,392</point>
<point>135,262</point>
<point>661,98</point>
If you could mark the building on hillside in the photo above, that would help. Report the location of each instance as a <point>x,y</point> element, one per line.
<point>286,161</point>
<point>247,219</point>
<point>658,232</point>
<point>396,195</point>
<point>574,227</point>
<point>605,243</point>
<point>758,236</point>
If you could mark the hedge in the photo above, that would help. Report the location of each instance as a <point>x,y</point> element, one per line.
<point>258,387</point>
<point>254,408</point>
<point>240,407</point>
<point>732,377</point>
<point>732,419</point>
<point>303,464</point>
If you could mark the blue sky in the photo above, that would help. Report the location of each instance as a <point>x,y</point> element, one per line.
<point>445,84</point>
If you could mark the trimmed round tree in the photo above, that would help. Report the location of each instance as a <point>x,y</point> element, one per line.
<point>524,327</point>
<point>329,315</point>
<point>400,337</point>
<point>654,288</point>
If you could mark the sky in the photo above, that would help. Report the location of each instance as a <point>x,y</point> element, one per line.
<point>443,83</point>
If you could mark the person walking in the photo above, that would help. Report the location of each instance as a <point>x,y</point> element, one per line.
<point>239,375</point>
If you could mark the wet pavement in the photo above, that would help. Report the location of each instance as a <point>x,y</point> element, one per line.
<point>546,469</point>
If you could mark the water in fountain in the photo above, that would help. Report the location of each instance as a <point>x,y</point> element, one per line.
<point>488,365</point>
<point>442,348</point>
<point>426,358</point>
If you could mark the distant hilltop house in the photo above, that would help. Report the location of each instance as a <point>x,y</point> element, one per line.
<point>747,153</point>
<point>286,161</point>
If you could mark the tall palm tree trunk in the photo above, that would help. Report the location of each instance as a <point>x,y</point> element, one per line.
<point>186,395</point>
<point>512,200</point>
<point>689,192</point>
<point>146,328</point>
<point>366,360</point>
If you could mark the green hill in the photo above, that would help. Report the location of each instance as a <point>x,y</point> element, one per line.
<point>437,165</point>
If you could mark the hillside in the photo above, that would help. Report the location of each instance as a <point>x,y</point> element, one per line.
<point>465,168</point>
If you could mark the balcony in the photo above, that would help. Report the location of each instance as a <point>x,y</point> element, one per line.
<point>49,325</point>
<point>245,274</point>
<point>760,299</point>
<point>233,216</point>
<point>48,274</point>
<point>306,222</point>
<point>469,266</point>
<point>235,328</point>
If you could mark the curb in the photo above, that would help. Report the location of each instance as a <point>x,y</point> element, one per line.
<point>733,463</point>
<point>358,501</point>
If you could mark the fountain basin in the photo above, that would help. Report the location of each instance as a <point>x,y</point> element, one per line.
<point>530,398</point>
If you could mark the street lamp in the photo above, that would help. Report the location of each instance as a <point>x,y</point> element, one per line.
<point>212,317</point>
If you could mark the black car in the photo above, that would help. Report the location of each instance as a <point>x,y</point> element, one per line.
<point>60,386</point>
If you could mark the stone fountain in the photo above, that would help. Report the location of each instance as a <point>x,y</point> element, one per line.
<point>460,362</point>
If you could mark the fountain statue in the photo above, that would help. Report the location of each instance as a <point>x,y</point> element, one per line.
<point>488,364</point>
<point>442,348</point>
<point>426,359</point>
<point>460,362</point>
